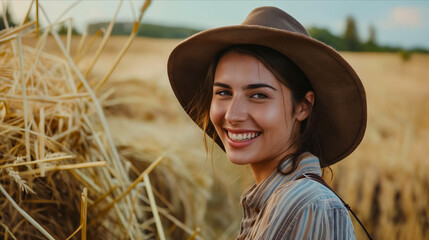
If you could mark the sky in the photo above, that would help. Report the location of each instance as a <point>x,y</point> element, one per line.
<point>397,23</point>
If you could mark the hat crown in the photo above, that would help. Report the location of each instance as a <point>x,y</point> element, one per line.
<point>274,18</point>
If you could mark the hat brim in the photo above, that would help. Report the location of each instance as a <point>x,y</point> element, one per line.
<point>339,92</point>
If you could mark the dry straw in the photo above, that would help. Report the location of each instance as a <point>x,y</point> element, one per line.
<point>61,174</point>
<point>385,181</point>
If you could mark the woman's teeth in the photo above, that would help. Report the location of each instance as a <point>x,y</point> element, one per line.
<point>241,137</point>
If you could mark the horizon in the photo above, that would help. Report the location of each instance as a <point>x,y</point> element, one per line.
<point>397,23</point>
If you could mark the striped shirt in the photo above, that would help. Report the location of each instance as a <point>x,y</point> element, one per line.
<point>281,207</point>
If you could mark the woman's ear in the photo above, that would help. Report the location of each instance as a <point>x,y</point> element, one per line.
<point>303,108</point>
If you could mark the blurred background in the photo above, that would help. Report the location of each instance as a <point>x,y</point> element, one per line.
<point>387,42</point>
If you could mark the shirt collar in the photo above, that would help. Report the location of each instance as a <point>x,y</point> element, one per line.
<point>258,195</point>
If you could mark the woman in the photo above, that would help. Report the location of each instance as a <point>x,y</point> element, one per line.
<point>284,103</point>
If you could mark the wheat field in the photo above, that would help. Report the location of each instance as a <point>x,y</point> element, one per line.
<point>385,180</point>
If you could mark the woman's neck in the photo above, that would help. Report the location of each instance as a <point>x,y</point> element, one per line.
<point>260,173</point>
<point>261,170</point>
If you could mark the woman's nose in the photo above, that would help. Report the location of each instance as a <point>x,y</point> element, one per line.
<point>236,111</point>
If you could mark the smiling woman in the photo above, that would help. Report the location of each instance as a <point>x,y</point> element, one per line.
<point>249,103</point>
<point>258,89</point>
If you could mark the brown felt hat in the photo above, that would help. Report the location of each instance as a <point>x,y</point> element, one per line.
<point>339,92</point>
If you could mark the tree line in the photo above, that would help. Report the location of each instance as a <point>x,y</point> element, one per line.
<point>349,40</point>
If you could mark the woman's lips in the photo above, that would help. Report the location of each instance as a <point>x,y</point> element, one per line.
<point>241,138</point>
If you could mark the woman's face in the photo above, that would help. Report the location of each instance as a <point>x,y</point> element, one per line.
<point>252,112</point>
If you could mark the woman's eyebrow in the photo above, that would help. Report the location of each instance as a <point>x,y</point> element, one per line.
<point>259,85</point>
<point>250,86</point>
<point>221,85</point>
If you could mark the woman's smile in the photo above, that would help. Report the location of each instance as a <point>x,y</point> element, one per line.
<point>240,138</point>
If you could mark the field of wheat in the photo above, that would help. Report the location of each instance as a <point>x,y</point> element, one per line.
<point>385,180</point>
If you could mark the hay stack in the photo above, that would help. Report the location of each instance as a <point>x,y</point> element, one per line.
<point>61,174</point>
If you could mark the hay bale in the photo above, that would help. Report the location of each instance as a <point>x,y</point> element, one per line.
<point>60,172</point>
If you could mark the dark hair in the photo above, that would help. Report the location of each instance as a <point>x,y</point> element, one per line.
<point>289,74</point>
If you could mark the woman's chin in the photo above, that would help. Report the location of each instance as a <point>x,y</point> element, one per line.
<point>238,162</point>
<point>239,159</point>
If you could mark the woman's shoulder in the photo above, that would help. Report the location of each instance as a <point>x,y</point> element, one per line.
<point>299,194</point>
<point>307,204</point>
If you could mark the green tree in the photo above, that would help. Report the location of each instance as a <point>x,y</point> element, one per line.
<point>64,29</point>
<point>371,38</point>
<point>405,55</point>
<point>350,35</point>
<point>371,45</point>
<point>8,17</point>
<point>325,36</point>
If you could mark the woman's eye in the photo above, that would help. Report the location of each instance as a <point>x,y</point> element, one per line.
<point>223,93</point>
<point>259,96</point>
